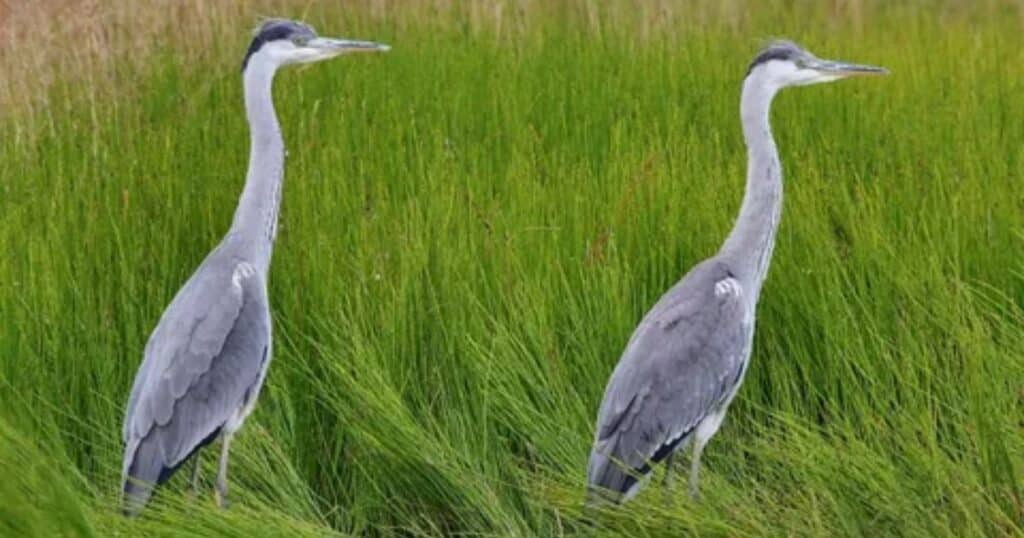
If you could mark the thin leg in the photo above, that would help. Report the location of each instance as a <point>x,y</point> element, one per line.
<point>195,476</point>
<point>668,483</point>
<point>698,447</point>
<point>221,490</point>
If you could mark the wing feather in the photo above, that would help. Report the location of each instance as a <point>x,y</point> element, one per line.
<point>678,366</point>
<point>201,364</point>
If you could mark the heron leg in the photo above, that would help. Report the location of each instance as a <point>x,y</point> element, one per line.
<point>221,490</point>
<point>195,476</point>
<point>668,483</point>
<point>698,448</point>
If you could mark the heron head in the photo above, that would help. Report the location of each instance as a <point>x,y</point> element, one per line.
<point>784,63</point>
<point>283,42</point>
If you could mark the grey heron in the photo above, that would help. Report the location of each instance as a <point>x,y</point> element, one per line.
<point>686,360</point>
<point>206,361</point>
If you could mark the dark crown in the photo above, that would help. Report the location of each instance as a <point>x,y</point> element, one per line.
<point>778,50</point>
<point>275,30</point>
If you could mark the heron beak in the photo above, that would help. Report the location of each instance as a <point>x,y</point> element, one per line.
<point>842,69</point>
<point>345,46</point>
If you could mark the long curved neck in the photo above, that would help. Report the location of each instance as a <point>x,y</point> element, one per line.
<point>748,249</point>
<point>255,222</point>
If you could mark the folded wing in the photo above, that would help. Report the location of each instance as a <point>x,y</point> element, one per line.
<point>680,365</point>
<point>201,365</point>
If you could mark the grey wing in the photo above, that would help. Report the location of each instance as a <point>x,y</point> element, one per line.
<point>679,366</point>
<point>202,363</point>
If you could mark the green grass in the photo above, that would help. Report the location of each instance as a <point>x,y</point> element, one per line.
<point>472,226</point>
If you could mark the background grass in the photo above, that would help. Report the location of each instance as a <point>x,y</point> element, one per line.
<point>472,226</point>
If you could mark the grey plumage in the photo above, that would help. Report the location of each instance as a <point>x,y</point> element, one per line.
<point>203,369</point>
<point>687,358</point>
<point>684,360</point>
<point>205,363</point>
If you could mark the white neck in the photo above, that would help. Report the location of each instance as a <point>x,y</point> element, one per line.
<point>748,249</point>
<point>255,221</point>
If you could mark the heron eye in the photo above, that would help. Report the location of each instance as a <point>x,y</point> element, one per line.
<point>300,41</point>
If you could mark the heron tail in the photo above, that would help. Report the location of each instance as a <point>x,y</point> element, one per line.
<point>608,481</point>
<point>143,469</point>
<point>136,495</point>
<point>146,466</point>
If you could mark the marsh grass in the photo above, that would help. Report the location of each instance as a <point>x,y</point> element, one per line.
<point>472,226</point>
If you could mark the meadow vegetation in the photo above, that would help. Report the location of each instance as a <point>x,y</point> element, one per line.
<point>473,224</point>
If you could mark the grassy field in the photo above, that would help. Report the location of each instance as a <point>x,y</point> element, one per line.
<point>472,226</point>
